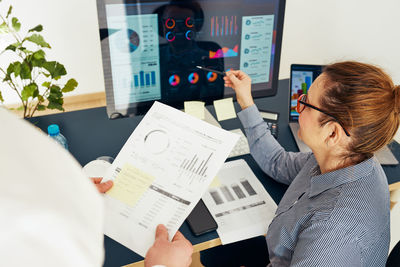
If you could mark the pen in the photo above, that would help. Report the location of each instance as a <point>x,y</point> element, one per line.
<point>207,69</point>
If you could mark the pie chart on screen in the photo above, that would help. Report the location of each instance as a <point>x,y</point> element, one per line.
<point>174,80</point>
<point>212,76</point>
<point>126,40</point>
<point>134,40</point>
<point>193,78</point>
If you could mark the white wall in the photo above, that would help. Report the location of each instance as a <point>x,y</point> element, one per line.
<point>323,31</point>
<point>315,31</point>
<point>71,28</point>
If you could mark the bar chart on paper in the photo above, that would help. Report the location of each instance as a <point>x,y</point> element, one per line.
<point>195,169</point>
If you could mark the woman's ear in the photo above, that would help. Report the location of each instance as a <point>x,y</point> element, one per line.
<point>333,133</point>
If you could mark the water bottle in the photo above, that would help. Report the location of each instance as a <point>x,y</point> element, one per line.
<point>54,132</point>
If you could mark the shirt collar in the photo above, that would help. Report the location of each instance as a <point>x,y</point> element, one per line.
<point>323,182</point>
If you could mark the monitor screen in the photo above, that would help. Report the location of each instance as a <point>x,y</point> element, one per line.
<point>301,78</point>
<point>150,49</point>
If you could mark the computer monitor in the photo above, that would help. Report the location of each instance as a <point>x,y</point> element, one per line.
<point>150,49</point>
<point>301,78</point>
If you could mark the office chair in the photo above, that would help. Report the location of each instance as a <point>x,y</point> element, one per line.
<point>394,257</point>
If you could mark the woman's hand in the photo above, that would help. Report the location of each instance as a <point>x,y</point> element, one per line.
<point>241,84</point>
<point>102,187</point>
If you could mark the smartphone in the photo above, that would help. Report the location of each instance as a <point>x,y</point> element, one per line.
<point>200,220</point>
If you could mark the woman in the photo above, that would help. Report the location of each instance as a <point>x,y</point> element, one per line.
<point>336,209</point>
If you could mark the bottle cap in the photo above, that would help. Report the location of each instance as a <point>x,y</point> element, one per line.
<point>53,130</point>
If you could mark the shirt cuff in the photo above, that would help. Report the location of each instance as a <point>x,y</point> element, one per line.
<point>250,117</point>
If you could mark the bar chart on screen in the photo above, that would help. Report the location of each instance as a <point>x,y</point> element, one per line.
<point>144,79</point>
<point>223,26</point>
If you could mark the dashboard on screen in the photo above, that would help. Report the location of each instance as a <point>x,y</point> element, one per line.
<point>150,49</point>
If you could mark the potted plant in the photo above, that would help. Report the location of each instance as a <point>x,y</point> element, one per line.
<point>34,79</point>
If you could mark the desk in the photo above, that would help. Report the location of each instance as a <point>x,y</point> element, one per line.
<point>91,134</point>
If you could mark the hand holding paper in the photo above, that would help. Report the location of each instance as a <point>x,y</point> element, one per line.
<point>161,173</point>
<point>178,252</point>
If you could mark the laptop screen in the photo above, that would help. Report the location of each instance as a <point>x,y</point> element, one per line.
<point>301,78</point>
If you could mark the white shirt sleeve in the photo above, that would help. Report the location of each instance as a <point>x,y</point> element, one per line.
<point>50,213</point>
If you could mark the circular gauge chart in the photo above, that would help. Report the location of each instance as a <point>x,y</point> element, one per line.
<point>174,80</point>
<point>189,22</point>
<point>156,141</point>
<point>212,76</point>
<point>193,77</point>
<point>170,23</point>
<point>170,36</point>
<point>190,35</point>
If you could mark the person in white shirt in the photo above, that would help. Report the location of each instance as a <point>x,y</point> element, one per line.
<point>50,213</point>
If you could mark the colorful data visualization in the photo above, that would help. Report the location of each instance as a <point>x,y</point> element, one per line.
<point>225,52</point>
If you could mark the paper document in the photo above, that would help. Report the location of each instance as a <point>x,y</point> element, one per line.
<point>160,174</point>
<point>225,109</point>
<point>239,203</point>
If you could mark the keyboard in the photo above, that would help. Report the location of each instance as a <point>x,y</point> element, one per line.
<point>242,146</point>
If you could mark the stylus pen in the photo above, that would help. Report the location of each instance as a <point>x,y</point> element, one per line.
<point>216,71</point>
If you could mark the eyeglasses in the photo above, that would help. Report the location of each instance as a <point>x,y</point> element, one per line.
<point>302,103</point>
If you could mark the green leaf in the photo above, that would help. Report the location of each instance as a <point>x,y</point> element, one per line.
<point>55,91</point>
<point>41,98</point>
<point>55,98</point>
<point>15,23</point>
<point>38,39</point>
<point>12,47</point>
<point>26,51</point>
<point>4,28</point>
<point>70,86</point>
<point>1,97</point>
<point>15,68</point>
<point>55,69</point>
<point>25,71</point>
<point>41,107</point>
<point>38,28</point>
<point>38,58</point>
<point>31,90</point>
<point>9,11</point>
<point>54,105</point>
<point>46,84</point>
<point>40,54</point>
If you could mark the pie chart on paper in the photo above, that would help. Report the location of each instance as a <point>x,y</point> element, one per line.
<point>156,141</point>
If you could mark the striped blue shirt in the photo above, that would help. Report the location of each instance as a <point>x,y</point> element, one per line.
<point>340,218</point>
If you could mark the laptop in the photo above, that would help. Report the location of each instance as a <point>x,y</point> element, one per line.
<point>301,78</point>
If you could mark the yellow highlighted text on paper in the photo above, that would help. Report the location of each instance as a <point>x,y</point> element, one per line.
<point>130,185</point>
<point>195,108</point>
<point>225,109</point>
